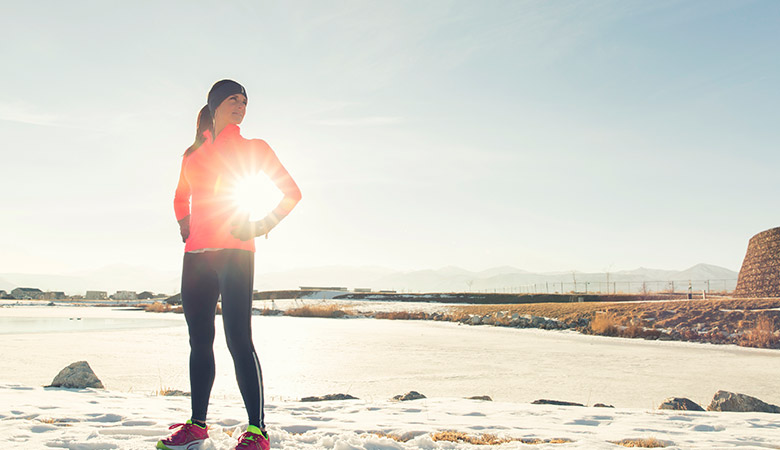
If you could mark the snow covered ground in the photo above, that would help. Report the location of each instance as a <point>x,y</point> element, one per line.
<point>374,360</point>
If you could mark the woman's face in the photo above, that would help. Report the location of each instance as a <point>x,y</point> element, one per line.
<point>231,110</point>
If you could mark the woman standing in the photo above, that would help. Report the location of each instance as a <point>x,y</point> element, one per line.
<point>219,257</point>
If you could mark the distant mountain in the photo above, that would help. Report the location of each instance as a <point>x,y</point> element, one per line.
<point>447,279</point>
<point>327,276</point>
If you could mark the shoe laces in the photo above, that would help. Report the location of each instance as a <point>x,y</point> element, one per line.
<point>183,433</point>
<point>247,439</point>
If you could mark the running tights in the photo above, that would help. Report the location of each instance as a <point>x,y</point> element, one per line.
<point>206,276</point>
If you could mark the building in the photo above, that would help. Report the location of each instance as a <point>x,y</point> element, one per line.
<point>96,295</point>
<point>125,295</point>
<point>23,293</point>
<point>323,288</point>
<point>54,295</point>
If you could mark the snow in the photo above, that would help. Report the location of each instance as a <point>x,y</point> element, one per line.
<point>446,362</point>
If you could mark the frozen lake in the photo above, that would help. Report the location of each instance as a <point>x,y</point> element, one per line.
<point>376,359</point>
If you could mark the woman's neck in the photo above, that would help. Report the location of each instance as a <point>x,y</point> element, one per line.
<point>218,127</point>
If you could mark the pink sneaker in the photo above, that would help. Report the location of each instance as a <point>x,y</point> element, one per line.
<point>253,439</point>
<point>188,437</point>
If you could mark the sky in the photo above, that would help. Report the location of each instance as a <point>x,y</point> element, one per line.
<point>548,136</point>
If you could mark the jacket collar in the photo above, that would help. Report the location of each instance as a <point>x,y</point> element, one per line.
<point>230,130</point>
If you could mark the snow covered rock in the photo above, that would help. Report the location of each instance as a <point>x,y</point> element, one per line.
<point>77,376</point>
<point>729,401</point>
<point>680,404</point>
<point>411,395</point>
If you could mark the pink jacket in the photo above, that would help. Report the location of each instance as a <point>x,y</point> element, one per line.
<point>207,180</point>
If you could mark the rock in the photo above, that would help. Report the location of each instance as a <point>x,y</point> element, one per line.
<point>329,397</point>
<point>480,397</point>
<point>555,402</point>
<point>729,401</point>
<point>476,320</point>
<point>680,404</point>
<point>411,395</point>
<point>77,376</point>
<point>602,405</point>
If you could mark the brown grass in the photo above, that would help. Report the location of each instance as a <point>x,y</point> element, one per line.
<point>762,335</point>
<point>604,324</point>
<point>327,311</point>
<point>489,439</point>
<point>158,307</point>
<point>401,315</point>
<point>53,421</point>
<point>644,443</point>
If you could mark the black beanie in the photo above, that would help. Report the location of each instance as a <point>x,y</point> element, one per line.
<point>220,91</point>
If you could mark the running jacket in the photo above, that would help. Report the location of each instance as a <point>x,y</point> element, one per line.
<point>206,184</point>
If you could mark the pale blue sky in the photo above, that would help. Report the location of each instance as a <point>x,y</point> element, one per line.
<point>545,135</point>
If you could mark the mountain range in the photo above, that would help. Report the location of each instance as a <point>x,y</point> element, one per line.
<point>446,279</point>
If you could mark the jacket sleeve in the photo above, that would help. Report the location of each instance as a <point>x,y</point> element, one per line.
<point>280,177</point>
<point>181,200</point>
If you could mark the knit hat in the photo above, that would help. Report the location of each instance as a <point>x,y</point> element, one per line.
<point>220,91</point>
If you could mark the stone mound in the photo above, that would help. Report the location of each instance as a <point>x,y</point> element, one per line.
<point>760,272</point>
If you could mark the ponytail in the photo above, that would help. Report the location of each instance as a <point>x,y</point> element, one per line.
<point>205,123</point>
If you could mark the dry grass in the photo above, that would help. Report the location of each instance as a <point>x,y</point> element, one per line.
<point>643,443</point>
<point>762,335</point>
<point>604,324</point>
<point>401,315</point>
<point>489,439</point>
<point>158,307</point>
<point>53,421</point>
<point>327,311</point>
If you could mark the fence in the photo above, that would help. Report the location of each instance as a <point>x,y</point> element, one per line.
<point>620,287</point>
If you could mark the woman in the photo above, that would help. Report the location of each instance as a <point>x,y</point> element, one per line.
<point>219,257</point>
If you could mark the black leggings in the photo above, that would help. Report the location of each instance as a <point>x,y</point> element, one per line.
<point>206,276</point>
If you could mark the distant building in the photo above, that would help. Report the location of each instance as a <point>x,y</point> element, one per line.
<point>23,293</point>
<point>96,295</point>
<point>3,294</point>
<point>362,290</point>
<point>125,295</point>
<point>54,295</point>
<point>145,295</point>
<point>321,288</point>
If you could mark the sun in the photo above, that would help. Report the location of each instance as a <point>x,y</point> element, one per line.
<point>256,196</point>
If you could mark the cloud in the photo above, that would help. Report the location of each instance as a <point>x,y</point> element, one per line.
<point>21,113</point>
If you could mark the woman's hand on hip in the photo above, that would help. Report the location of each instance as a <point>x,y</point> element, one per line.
<point>184,228</point>
<point>246,230</point>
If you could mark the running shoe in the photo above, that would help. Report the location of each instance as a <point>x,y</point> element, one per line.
<point>188,437</point>
<point>253,439</point>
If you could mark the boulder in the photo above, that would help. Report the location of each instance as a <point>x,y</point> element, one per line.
<point>480,397</point>
<point>729,401</point>
<point>411,395</point>
<point>602,405</point>
<point>555,402</point>
<point>77,376</point>
<point>329,397</point>
<point>680,404</point>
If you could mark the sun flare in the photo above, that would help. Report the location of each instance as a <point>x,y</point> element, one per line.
<point>256,195</point>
